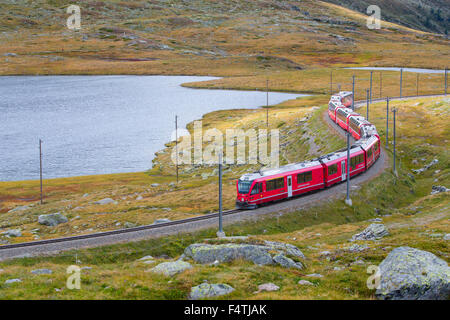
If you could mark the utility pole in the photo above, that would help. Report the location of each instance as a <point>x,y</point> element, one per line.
<point>417,85</point>
<point>267,104</point>
<point>381,84</point>
<point>339,87</point>
<point>176,143</point>
<point>353,93</point>
<point>401,81</point>
<point>40,167</point>
<point>331,82</point>
<point>371,77</point>
<point>220,233</point>
<point>348,201</point>
<point>395,168</point>
<point>367,110</point>
<point>387,122</point>
<point>445,80</point>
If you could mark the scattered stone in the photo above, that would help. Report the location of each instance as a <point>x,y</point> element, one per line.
<point>85,195</point>
<point>439,189</point>
<point>52,219</point>
<point>373,232</point>
<point>19,208</point>
<point>172,184</point>
<point>412,274</point>
<point>158,221</point>
<point>129,225</point>
<point>13,233</point>
<point>267,287</point>
<point>86,268</point>
<point>146,258</point>
<point>376,220</point>
<point>42,271</point>
<point>358,262</point>
<point>258,254</point>
<point>305,283</point>
<point>10,54</point>
<point>315,275</point>
<point>286,262</point>
<point>206,290</point>
<point>325,253</point>
<point>171,268</point>
<point>139,198</point>
<point>428,166</point>
<point>337,268</point>
<point>105,201</point>
<point>446,237</point>
<point>155,185</point>
<point>9,281</point>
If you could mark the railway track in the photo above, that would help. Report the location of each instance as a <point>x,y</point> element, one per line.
<point>56,245</point>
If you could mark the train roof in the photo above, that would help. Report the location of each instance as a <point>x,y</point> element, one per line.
<point>280,170</point>
<point>339,154</point>
<point>367,141</point>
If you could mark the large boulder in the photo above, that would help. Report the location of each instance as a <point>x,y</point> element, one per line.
<point>13,233</point>
<point>412,274</point>
<point>373,232</point>
<point>52,219</point>
<point>171,268</point>
<point>206,290</point>
<point>266,253</point>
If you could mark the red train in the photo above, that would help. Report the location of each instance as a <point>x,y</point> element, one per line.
<point>264,186</point>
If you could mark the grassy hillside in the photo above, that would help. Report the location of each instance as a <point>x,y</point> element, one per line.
<point>412,215</point>
<point>431,15</point>
<point>224,38</point>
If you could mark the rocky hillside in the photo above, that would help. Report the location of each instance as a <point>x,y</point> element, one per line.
<point>430,15</point>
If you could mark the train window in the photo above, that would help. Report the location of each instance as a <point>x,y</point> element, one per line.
<point>244,186</point>
<point>369,153</point>
<point>304,177</point>
<point>274,184</point>
<point>257,188</point>
<point>332,169</point>
<point>356,160</point>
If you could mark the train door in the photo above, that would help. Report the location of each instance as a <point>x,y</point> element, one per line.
<point>344,175</point>
<point>289,186</point>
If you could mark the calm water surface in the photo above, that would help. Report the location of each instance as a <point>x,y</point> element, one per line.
<point>100,124</point>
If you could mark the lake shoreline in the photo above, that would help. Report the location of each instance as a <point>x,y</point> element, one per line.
<point>184,85</point>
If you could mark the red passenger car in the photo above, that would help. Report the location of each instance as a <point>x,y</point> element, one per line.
<point>343,115</point>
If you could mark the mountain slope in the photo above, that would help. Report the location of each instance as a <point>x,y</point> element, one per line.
<point>430,15</point>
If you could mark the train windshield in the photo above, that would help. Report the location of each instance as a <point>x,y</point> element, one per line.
<point>244,186</point>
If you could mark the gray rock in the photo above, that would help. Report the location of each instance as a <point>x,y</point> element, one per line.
<point>357,248</point>
<point>171,268</point>
<point>305,283</point>
<point>105,201</point>
<point>373,232</point>
<point>438,189</point>
<point>268,287</point>
<point>10,54</point>
<point>42,271</point>
<point>138,198</point>
<point>158,221</point>
<point>155,185</point>
<point>412,274</point>
<point>19,208</point>
<point>9,281</point>
<point>376,220</point>
<point>314,275</point>
<point>268,253</point>
<point>286,262</point>
<point>146,258</point>
<point>13,233</point>
<point>206,290</point>
<point>446,237</point>
<point>52,219</point>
